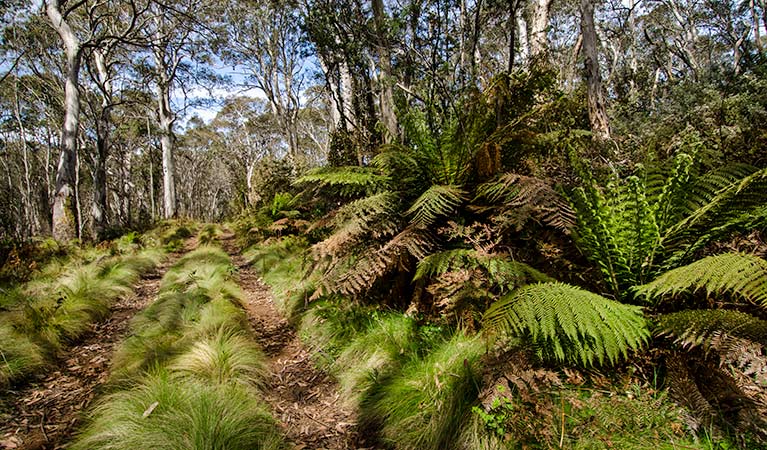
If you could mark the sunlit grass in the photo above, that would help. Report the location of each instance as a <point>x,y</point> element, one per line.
<point>424,405</point>
<point>187,414</point>
<point>225,357</point>
<point>18,355</point>
<point>191,356</point>
<point>378,352</point>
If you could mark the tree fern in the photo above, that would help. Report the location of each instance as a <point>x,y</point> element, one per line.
<point>693,328</point>
<point>656,220</point>
<point>518,197</point>
<point>350,181</point>
<point>412,242</point>
<point>373,216</point>
<point>499,268</point>
<point>737,274</point>
<point>436,202</point>
<point>568,324</point>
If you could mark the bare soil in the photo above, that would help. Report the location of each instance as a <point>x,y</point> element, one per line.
<point>44,412</point>
<point>303,399</point>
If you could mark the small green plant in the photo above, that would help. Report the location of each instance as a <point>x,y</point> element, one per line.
<point>499,413</point>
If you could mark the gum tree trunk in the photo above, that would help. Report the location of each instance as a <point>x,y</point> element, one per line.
<point>600,125</point>
<point>64,216</point>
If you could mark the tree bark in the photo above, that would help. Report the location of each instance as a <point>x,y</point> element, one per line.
<point>539,26</point>
<point>64,213</point>
<point>386,95</point>
<point>600,125</point>
<point>99,204</point>
<point>166,143</point>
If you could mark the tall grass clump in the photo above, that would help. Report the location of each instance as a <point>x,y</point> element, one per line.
<point>164,411</point>
<point>57,312</point>
<point>19,355</point>
<point>283,265</point>
<point>424,406</point>
<point>374,354</point>
<point>329,325</point>
<point>208,234</point>
<point>190,374</point>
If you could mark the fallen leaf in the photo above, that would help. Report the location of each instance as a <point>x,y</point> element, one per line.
<point>150,409</point>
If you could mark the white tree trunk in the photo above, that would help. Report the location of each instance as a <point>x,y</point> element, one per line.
<point>166,143</point>
<point>539,27</point>
<point>64,214</point>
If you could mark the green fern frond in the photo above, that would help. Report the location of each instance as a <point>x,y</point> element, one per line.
<point>500,269</point>
<point>738,196</point>
<point>444,261</point>
<point>438,201</point>
<point>693,328</point>
<point>351,180</point>
<point>736,274</point>
<point>569,324</point>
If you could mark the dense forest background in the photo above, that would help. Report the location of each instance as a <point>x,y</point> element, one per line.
<point>584,182</point>
<point>101,100</point>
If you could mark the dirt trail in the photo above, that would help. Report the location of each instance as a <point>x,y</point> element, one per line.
<point>304,399</point>
<point>44,413</point>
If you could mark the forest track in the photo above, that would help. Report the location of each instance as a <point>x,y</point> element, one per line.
<point>305,400</point>
<point>44,412</point>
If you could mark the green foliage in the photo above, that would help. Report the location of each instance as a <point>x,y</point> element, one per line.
<point>329,325</point>
<point>438,201</point>
<point>57,311</point>
<point>165,412</point>
<point>208,234</point>
<point>711,328</point>
<point>733,274</point>
<point>653,222</point>
<point>224,357</point>
<point>495,419</point>
<point>515,199</point>
<point>568,324</point>
<point>350,180</point>
<point>424,405</point>
<point>19,355</point>
<point>190,371</point>
<point>501,270</point>
<point>375,353</point>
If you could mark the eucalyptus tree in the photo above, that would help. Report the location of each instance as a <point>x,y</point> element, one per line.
<point>176,37</point>
<point>266,39</point>
<point>82,26</point>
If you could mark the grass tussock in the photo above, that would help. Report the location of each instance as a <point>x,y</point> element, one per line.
<point>190,374</point>
<point>165,412</point>
<point>425,405</point>
<point>18,355</point>
<point>224,358</point>
<point>374,354</point>
<point>208,234</point>
<point>51,313</point>
<point>328,326</point>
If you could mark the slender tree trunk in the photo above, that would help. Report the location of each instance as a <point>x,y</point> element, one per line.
<point>755,26</point>
<point>99,203</point>
<point>64,213</point>
<point>600,125</point>
<point>539,27</point>
<point>166,142</point>
<point>386,96</point>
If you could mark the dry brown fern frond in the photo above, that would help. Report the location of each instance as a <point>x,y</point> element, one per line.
<point>515,199</point>
<point>412,243</point>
